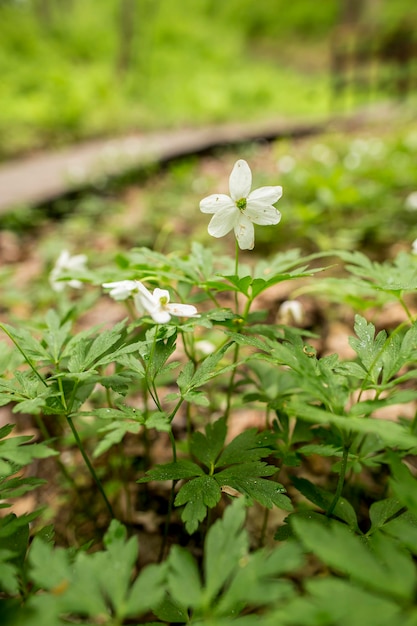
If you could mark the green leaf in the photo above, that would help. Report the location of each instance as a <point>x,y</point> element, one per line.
<point>147,591</point>
<point>206,448</point>
<point>323,499</point>
<point>170,611</point>
<point>403,484</point>
<point>330,601</point>
<point>208,368</point>
<point>255,581</point>
<point>346,553</point>
<point>173,471</point>
<point>197,495</point>
<point>391,434</point>
<point>247,446</point>
<point>183,578</point>
<point>382,511</point>
<point>226,543</point>
<point>113,434</point>
<point>404,529</point>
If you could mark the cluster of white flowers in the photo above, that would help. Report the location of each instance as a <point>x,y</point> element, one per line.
<point>156,304</point>
<point>64,265</point>
<point>243,208</point>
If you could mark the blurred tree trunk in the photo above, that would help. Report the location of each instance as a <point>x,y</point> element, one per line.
<point>127,14</point>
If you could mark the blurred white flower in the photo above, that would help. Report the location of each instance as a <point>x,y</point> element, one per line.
<point>158,306</point>
<point>322,153</point>
<point>64,265</point>
<point>286,163</point>
<point>121,289</point>
<point>411,201</point>
<point>352,160</point>
<point>414,247</point>
<point>243,208</point>
<point>290,312</point>
<point>205,347</point>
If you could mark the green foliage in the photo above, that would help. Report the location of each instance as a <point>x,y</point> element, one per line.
<point>236,465</point>
<point>109,401</point>
<point>190,51</point>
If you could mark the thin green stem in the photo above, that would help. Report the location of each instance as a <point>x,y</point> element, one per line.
<point>406,309</point>
<point>231,383</point>
<point>340,481</point>
<point>170,502</point>
<point>264,527</point>
<point>89,465</point>
<point>237,274</point>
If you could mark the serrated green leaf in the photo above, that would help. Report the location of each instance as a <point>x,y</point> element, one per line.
<point>184,582</point>
<point>197,494</point>
<point>9,575</point>
<point>247,446</point>
<point>330,601</point>
<point>255,581</point>
<point>207,369</point>
<point>173,471</point>
<point>113,434</point>
<point>404,529</point>
<point>391,433</point>
<point>381,511</point>
<point>58,572</point>
<point>147,591</point>
<point>323,499</point>
<point>206,448</point>
<point>185,376</point>
<point>343,551</point>
<point>197,397</point>
<point>170,611</point>
<point>403,484</point>
<point>266,492</point>
<point>226,544</point>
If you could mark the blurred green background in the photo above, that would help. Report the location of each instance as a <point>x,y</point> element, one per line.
<point>75,69</point>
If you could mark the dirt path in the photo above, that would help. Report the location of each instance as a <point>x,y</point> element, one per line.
<point>44,176</point>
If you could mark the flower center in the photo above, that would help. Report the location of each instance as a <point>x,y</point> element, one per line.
<point>163,301</point>
<point>241,204</point>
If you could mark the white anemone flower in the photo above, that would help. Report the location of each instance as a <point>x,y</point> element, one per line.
<point>158,306</point>
<point>121,289</point>
<point>414,246</point>
<point>64,265</point>
<point>243,208</point>
<point>290,311</point>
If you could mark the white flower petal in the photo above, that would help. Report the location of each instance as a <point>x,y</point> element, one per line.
<point>148,302</point>
<point>181,310</point>
<point>222,222</point>
<point>216,202</point>
<point>262,214</point>
<point>291,311</point>
<point>245,233</point>
<point>266,195</point>
<point>159,294</point>
<point>240,180</point>
<point>121,289</point>
<point>160,316</point>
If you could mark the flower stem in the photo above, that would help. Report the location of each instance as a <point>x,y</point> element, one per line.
<point>89,465</point>
<point>340,481</point>
<point>237,274</point>
<point>406,309</point>
<point>170,502</point>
